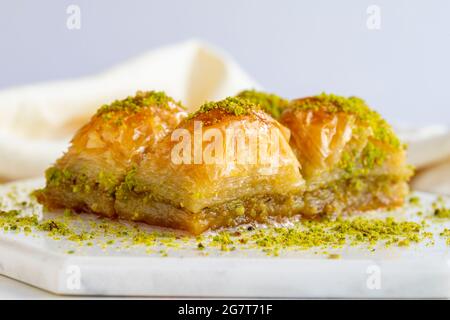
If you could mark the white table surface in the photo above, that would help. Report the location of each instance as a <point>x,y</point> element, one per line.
<point>11,289</point>
<point>407,272</point>
<point>14,290</point>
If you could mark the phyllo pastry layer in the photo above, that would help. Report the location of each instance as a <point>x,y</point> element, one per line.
<point>227,164</point>
<point>104,150</point>
<point>350,157</point>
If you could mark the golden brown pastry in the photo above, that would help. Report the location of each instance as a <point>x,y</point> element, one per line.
<point>350,157</point>
<point>252,158</point>
<point>214,181</point>
<point>104,150</point>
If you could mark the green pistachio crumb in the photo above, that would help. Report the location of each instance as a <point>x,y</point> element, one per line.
<point>333,103</point>
<point>231,105</point>
<point>135,104</point>
<point>414,200</point>
<point>271,103</point>
<point>442,213</point>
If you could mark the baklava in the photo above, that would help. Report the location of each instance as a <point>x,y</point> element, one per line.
<point>228,163</point>
<point>252,158</point>
<point>85,178</point>
<point>351,158</point>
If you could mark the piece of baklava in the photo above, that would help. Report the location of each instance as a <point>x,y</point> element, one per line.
<point>350,157</point>
<point>105,149</point>
<point>228,163</point>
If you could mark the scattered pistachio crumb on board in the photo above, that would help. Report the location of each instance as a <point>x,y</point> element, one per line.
<point>365,232</point>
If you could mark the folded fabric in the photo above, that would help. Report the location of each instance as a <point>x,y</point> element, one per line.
<point>429,151</point>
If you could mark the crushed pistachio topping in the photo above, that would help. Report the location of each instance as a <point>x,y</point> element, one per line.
<point>128,184</point>
<point>446,234</point>
<point>372,156</point>
<point>326,236</point>
<point>439,209</point>
<point>382,131</point>
<point>141,100</point>
<point>442,213</point>
<point>56,176</point>
<point>414,200</point>
<point>231,105</point>
<point>79,182</point>
<point>108,181</point>
<point>305,235</point>
<point>269,102</point>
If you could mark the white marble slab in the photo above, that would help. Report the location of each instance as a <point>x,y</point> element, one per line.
<point>414,272</point>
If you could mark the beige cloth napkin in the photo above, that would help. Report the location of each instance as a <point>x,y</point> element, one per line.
<point>429,151</point>
<point>37,121</point>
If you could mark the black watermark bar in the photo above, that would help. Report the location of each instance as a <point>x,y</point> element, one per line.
<point>220,309</point>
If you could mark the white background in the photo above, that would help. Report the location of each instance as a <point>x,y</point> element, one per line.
<point>294,48</point>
